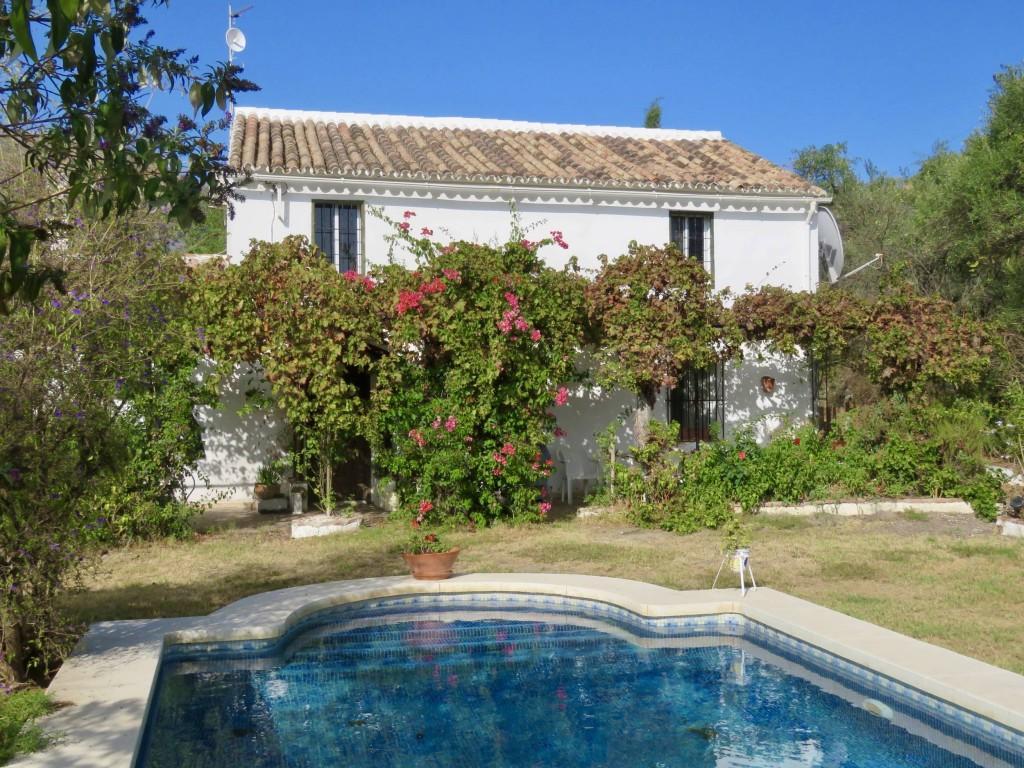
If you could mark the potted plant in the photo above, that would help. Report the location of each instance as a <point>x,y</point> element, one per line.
<point>268,480</point>
<point>736,551</point>
<point>429,557</point>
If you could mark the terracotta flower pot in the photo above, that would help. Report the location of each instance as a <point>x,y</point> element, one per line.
<point>431,565</point>
<point>266,490</point>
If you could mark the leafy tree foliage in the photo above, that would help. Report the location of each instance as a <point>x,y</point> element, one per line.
<point>652,118</point>
<point>74,80</point>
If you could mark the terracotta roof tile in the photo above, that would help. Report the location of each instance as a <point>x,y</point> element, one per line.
<point>496,151</point>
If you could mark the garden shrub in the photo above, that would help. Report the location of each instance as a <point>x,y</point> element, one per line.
<point>96,426</point>
<point>891,448</point>
<point>481,347</point>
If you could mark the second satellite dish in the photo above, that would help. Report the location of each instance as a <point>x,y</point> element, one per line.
<point>830,245</point>
<point>235,39</point>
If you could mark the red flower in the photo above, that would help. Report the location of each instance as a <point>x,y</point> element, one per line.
<point>426,231</point>
<point>404,226</point>
<point>508,449</point>
<point>534,335</point>
<point>430,537</point>
<point>408,300</point>
<point>559,432</point>
<point>415,523</point>
<point>741,455</point>
<point>544,507</point>
<point>434,286</point>
<point>417,437</point>
<point>408,215</point>
<point>425,506</point>
<point>796,441</point>
<point>561,396</point>
<point>452,274</point>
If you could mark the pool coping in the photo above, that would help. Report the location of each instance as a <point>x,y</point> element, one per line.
<point>109,678</point>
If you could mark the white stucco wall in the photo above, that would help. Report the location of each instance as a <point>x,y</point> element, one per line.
<point>756,241</point>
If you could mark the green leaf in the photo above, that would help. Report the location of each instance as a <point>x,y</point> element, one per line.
<point>19,20</point>
<point>195,95</point>
<point>60,25</point>
<point>70,9</point>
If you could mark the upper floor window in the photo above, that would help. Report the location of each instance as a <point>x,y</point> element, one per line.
<point>697,402</point>
<point>336,233</point>
<point>691,234</point>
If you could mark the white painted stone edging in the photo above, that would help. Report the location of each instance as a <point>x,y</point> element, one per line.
<point>110,677</point>
<point>868,507</point>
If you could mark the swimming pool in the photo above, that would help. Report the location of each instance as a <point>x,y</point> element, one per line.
<point>524,680</point>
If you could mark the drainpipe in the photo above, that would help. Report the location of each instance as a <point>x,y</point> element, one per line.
<point>278,205</point>
<point>811,255</point>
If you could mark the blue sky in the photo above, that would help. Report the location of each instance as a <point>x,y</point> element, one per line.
<point>891,78</point>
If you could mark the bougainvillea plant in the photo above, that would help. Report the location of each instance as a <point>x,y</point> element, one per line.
<point>311,330</point>
<point>481,344</point>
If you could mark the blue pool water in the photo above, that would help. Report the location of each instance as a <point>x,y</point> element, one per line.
<point>473,688</point>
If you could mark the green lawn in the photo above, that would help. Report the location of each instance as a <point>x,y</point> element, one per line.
<point>948,580</point>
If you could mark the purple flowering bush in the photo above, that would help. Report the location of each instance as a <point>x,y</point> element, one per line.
<point>96,426</point>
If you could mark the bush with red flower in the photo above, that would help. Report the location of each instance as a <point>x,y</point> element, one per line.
<point>480,342</point>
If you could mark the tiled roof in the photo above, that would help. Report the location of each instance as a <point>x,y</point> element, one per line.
<point>328,144</point>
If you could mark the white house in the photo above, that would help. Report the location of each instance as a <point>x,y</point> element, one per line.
<point>319,174</point>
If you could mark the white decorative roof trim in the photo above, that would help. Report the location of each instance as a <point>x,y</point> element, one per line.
<point>475,124</point>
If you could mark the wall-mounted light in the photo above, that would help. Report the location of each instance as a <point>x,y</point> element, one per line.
<point>768,384</point>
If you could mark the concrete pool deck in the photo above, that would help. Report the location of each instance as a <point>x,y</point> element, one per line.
<point>108,680</point>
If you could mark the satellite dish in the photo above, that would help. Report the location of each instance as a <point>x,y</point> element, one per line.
<point>830,245</point>
<point>235,39</point>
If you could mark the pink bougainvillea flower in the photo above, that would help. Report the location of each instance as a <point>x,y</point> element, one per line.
<point>426,231</point>
<point>512,300</point>
<point>417,437</point>
<point>528,245</point>
<point>559,432</point>
<point>369,284</point>
<point>450,248</point>
<point>450,424</point>
<point>500,458</point>
<point>408,300</point>
<point>561,396</point>
<point>436,423</point>
<point>535,335</point>
<point>508,449</point>
<point>350,275</point>
<point>468,439</point>
<point>408,214</point>
<point>556,235</point>
<point>426,506</point>
<point>521,325</point>
<point>496,471</point>
<point>404,226</point>
<point>436,285</point>
<point>452,274</point>
<point>741,455</point>
<point>544,507</point>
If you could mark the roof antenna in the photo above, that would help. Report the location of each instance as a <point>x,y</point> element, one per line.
<point>234,37</point>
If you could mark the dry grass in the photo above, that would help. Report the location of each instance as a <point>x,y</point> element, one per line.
<point>948,580</point>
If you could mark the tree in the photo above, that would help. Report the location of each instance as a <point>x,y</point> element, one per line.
<point>656,314</point>
<point>827,166</point>
<point>652,118</point>
<point>74,85</point>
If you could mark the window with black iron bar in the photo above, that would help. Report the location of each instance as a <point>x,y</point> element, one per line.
<point>691,234</point>
<point>336,233</point>
<point>698,401</point>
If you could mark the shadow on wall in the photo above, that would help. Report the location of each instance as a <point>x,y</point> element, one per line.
<point>237,440</point>
<point>747,404</point>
